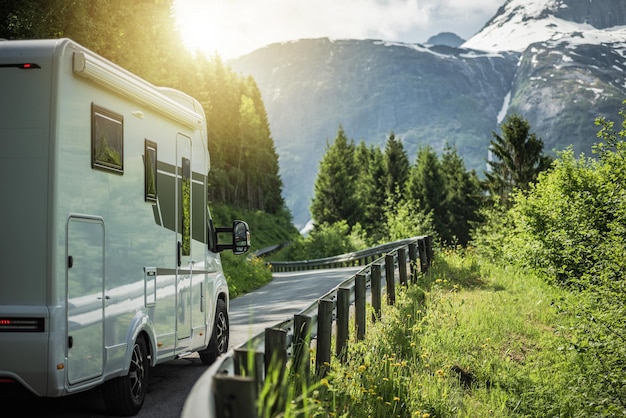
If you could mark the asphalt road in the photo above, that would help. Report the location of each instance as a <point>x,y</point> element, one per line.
<point>287,294</point>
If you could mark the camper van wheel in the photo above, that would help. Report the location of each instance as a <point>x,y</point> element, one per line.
<point>124,395</point>
<point>219,337</point>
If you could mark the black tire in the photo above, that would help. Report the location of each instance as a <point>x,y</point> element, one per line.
<point>218,344</point>
<point>124,395</point>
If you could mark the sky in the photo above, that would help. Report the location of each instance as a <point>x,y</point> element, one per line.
<point>232,28</point>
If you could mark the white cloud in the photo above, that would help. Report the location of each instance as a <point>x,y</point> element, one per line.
<point>235,27</point>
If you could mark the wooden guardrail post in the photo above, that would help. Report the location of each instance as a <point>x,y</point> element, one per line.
<point>249,363</point>
<point>423,255</point>
<point>402,266</point>
<point>343,320</point>
<point>359,306</point>
<point>301,346</point>
<point>275,347</point>
<point>413,261</point>
<point>275,361</point>
<point>376,291</point>
<point>324,334</point>
<point>234,396</point>
<point>429,250</point>
<point>389,277</point>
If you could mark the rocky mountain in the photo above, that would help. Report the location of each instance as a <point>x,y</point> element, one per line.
<point>558,63</point>
<point>447,39</point>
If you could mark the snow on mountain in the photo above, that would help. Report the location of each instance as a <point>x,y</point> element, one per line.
<point>520,23</point>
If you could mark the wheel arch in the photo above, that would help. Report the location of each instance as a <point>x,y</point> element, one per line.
<point>140,327</point>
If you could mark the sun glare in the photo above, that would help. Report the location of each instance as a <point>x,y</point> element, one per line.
<point>203,32</point>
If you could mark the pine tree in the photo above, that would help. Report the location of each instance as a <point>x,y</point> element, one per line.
<point>518,158</point>
<point>426,188</point>
<point>371,190</point>
<point>397,166</point>
<point>463,198</point>
<point>335,186</point>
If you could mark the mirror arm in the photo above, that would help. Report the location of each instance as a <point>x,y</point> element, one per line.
<point>222,247</point>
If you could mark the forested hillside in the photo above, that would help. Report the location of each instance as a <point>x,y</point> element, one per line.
<point>142,37</point>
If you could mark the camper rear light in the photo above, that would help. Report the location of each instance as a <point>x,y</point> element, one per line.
<point>21,65</point>
<point>21,324</point>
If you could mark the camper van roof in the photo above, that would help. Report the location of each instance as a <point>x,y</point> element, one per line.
<point>171,103</point>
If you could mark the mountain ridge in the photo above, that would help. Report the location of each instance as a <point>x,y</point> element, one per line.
<point>438,94</point>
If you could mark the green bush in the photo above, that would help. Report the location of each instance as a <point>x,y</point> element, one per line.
<point>326,240</point>
<point>244,274</point>
<point>570,228</point>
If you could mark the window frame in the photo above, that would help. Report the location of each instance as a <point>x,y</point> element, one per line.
<point>105,122</point>
<point>150,170</point>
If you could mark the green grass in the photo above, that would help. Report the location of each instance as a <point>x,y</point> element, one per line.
<point>498,325</point>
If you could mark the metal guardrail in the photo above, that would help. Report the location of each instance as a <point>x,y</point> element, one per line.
<point>357,258</point>
<point>269,250</point>
<point>207,399</point>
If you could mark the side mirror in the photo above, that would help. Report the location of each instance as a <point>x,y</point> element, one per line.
<point>241,237</point>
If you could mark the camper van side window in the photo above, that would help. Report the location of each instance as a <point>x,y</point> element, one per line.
<point>150,159</point>
<point>107,139</point>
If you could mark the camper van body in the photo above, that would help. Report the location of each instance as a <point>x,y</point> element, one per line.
<point>106,241</point>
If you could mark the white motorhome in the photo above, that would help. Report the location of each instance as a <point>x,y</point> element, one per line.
<point>110,260</point>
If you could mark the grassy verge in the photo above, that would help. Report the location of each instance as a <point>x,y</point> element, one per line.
<point>470,340</point>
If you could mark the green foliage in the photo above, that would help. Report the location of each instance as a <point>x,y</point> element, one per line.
<point>463,199</point>
<point>371,191</point>
<point>565,214</point>
<point>390,199</point>
<point>518,158</point>
<point>244,274</point>
<point>245,168</point>
<point>491,238</point>
<point>569,227</point>
<point>326,240</point>
<point>335,186</point>
<point>396,163</point>
<point>407,220</point>
<point>426,186</point>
